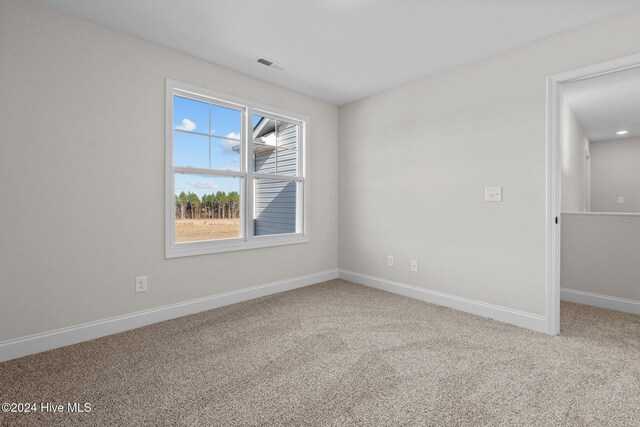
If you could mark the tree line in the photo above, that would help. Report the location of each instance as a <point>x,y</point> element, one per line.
<point>218,205</point>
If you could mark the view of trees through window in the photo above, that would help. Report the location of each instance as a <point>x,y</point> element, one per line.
<point>206,137</point>
<point>236,173</point>
<point>200,218</point>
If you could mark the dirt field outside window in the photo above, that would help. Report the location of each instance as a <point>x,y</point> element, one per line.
<point>193,230</point>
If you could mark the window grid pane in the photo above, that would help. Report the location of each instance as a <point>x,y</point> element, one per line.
<point>275,206</point>
<point>287,135</point>
<point>224,153</point>
<point>207,207</point>
<point>191,150</point>
<point>190,115</point>
<point>195,121</point>
<point>275,144</point>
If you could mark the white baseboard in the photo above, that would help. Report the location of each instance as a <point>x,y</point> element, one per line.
<point>12,349</point>
<point>501,314</point>
<point>602,301</point>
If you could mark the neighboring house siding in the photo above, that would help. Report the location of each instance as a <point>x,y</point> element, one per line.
<point>275,206</point>
<point>275,201</point>
<point>265,162</point>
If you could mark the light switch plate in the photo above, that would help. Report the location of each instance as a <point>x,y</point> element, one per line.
<point>493,194</point>
<point>620,200</point>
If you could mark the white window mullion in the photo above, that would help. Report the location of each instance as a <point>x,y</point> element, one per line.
<point>278,177</point>
<point>170,199</point>
<point>301,195</point>
<point>248,164</point>
<point>209,99</point>
<point>274,116</point>
<point>275,131</point>
<point>209,137</point>
<point>209,172</point>
<point>243,167</point>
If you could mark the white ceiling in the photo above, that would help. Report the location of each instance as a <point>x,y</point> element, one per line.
<point>342,50</point>
<point>606,104</point>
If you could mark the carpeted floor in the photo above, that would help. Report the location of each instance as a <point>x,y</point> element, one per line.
<point>341,354</point>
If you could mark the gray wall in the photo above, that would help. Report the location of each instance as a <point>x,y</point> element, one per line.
<point>82,111</point>
<point>573,144</point>
<point>600,254</point>
<point>414,162</point>
<point>615,171</point>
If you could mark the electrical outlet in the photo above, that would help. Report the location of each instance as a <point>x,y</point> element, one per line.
<point>141,284</point>
<point>414,265</point>
<point>390,261</point>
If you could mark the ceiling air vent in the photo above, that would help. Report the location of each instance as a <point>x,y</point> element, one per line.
<point>271,64</point>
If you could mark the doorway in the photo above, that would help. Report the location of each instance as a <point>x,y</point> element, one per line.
<point>586,201</point>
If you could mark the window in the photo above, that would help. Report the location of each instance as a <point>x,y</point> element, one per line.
<point>235,173</point>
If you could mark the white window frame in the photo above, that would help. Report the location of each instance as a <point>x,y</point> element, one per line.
<point>246,174</point>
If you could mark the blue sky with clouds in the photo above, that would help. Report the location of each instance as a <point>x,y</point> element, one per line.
<point>196,143</point>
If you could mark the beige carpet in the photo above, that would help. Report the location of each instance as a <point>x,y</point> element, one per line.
<point>341,354</point>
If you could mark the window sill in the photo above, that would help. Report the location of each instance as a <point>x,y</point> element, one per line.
<point>179,250</point>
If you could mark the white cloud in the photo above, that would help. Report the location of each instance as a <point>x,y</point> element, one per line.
<point>227,145</point>
<point>187,125</point>
<point>203,185</point>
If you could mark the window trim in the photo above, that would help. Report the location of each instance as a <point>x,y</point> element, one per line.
<point>246,174</point>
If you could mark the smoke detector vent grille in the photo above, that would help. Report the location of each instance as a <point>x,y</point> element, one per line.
<point>270,63</point>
